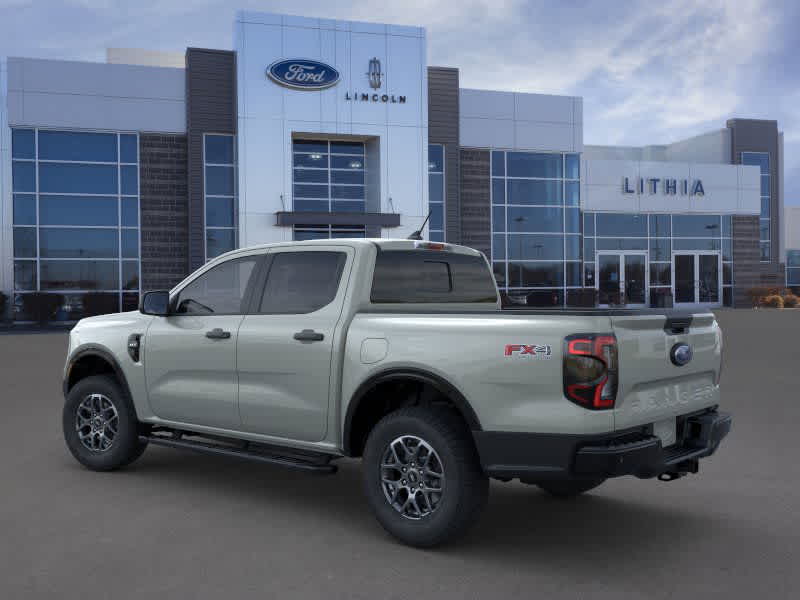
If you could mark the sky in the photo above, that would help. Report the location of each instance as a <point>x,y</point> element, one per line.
<point>649,72</point>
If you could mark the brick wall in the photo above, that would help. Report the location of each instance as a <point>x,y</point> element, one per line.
<point>748,271</point>
<point>476,220</point>
<point>164,210</point>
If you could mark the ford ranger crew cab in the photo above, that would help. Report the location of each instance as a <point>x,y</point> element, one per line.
<point>397,352</point>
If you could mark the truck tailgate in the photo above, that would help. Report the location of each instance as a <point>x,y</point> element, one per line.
<point>651,388</point>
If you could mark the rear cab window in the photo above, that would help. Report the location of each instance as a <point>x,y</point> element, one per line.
<point>431,276</point>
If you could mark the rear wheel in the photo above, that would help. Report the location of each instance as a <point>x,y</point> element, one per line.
<point>569,487</point>
<point>100,425</point>
<point>422,476</point>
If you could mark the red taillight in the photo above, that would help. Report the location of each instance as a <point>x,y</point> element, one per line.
<point>591,372</point>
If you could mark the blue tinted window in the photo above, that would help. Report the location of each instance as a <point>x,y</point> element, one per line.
<point>80,275</point>
<point>765,250</point>
<point>529,164</point>
<point>130,275</point>
<point>527,191</point>
<point>765,208</point>
<point>25,242</point>
<point>130,212</point>
<point>727,249</point>
<point>435,158</point>
<point>73,145</point>
<point>572,191</point>
<point>695,244</point>
<point>25,275</point>
<point>311,205</point>
<point>78,243</point>
<point>535,219</point>
<point>498,191</point>
<point>727,225</point>
<point>573,274</point>
<point>23,143</point>
<point>319,161</point>
<point>77,210</point>
<point>312,175</point>
<point>129,184</point>
<point>696,225</point>
<point>351,176</point>
<point>219,241</point>
<point>301,235</point>
<point>572,246</point>
<point>23,176</point>
<point>128,149</point>
<point>535,247</point>
<point>759,159</point>
<point>77,179</point>
<point>621,243</point>
<point>573,166</point>
<point>660,226</point>
<point>660,249</point>
<point>436,187</point>
<point>498,163</point>
<point>348,206</point>
<point>588,224</point>
<point>625,225</point>
<point>434,236</point>
<point>310,191</point>
<point>437,218</point>
<point>793,277</point>
<point>536,274</point>
<point>498,218</point>
<point>341,162</point>
<point>24,209</point>
<point>793,258</point>
<point>219,212</point>
<point>219,149</point>
<point>347,148</point>
<point>765,185</point>
<point>588,249</point>
<point>219,181</point>
<point>498,247</point>
<point>310,146</point>
<point>572,220</point>
<point>130,243</point>
<point>347,192</point>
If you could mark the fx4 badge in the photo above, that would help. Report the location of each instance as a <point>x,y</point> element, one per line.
<point>530,351</point>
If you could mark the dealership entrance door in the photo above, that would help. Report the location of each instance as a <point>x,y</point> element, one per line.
<point>622,278</point>
<point>697,279</point>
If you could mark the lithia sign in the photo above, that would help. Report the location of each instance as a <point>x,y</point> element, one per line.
<point>306,74</point>
<point>667,186</point>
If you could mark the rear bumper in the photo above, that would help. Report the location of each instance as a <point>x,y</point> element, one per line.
<point>534,457</point>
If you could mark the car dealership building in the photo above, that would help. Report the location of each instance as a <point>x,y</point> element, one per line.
<point>125,176</point>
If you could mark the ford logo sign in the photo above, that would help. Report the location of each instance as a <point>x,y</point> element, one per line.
<point>303,74</point>
<point>681,354</point>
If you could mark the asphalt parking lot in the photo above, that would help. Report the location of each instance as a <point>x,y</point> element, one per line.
<point>182,525</point>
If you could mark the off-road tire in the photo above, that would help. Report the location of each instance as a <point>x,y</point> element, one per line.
<point>465,487</point>
<point>125,447</point>
<point>569,488</point>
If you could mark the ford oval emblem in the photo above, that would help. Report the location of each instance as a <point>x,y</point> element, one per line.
<point>303,74</point>
<point>681,354</point>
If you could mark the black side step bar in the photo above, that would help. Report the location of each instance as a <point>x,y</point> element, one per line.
<point>314,463</point>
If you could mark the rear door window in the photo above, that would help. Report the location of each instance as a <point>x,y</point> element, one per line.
<point>429,276</point>
<point>302,282</point>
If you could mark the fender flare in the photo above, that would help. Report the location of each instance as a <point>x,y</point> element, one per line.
<point>410,373</point>
<point>106,355</point>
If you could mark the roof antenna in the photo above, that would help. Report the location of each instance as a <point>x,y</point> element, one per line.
<point>417,235</point>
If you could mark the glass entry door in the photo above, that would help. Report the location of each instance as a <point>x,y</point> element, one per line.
<point>697,278</point>
<point>622,278</point>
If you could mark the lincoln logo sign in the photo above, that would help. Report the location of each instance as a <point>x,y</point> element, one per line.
<point>667,186</point>
<point>302,74</point>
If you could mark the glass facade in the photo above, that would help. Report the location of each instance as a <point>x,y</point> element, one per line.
<point>328,176</point>
<point>761,160</point>
<point>219,166</point>
<point>793,269</point>
<point>536,225</point>
<point>436,192</point>
<point>76,220</point>
<point>660,237</point>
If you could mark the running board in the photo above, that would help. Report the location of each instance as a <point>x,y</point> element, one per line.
<point>310,462</point>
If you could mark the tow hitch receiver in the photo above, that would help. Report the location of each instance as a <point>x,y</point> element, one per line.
<point>680,470</point>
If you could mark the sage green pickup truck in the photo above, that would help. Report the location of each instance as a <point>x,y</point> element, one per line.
<point>398,352</point>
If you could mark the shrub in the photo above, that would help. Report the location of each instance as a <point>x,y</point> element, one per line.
<point>790,301</point>
<point>41,306</point>
<point>773,301</point>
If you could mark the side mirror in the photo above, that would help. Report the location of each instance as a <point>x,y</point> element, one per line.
<point>155,303</point>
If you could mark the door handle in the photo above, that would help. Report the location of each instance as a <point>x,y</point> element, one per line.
<point>218,334</point>
<point>309,335</point>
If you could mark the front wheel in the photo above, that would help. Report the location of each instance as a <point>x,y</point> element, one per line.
<point>100,425</point>
<point>422,476</point>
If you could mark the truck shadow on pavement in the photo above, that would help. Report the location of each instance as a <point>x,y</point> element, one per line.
<point>520,524</point>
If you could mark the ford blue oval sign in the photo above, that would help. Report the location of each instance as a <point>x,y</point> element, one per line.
<point>303,74</point>
<point>681,354</point>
